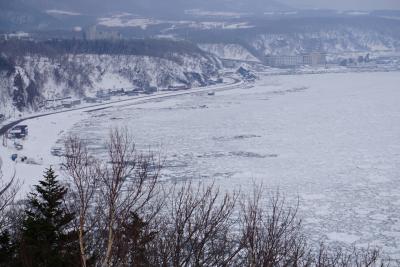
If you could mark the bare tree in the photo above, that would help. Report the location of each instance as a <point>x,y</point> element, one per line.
<point>272,236</point>
<point>8,190</point>
<point>128,186</point>
<point>109,193</point>
<point>197,228</point>
<point>327,256</point>
<point>83,171</point>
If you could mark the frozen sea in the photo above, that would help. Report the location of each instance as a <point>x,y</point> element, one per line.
<point>331,140</point>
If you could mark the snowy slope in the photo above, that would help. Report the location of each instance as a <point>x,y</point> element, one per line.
<point>229,51</point>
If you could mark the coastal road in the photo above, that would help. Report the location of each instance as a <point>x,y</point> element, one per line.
<point>236,83</point>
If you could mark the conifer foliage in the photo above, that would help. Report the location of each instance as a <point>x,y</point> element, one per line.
<point>47,239</point>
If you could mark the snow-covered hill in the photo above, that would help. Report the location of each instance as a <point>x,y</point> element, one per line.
<point>29,80</point>
<point>338,40</point>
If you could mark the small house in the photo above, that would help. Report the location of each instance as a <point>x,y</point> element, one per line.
<point>116,92</point>
<point>66,103</point>
<point>131,93</point>
<point>69,103</point>
<point>90,100</point>
<point>18,132</point>
<point>102,96</point>
<point>150,90</point>
<point>76,102</point>
<point>177,87</point>
<point>105,97</point>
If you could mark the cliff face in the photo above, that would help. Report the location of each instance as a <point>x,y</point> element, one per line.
<point>338,40</point>
<point>30,79</point>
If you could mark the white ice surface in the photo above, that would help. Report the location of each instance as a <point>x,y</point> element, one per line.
<point>333,140</point>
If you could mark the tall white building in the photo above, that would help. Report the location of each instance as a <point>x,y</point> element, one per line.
<point>310,59</point>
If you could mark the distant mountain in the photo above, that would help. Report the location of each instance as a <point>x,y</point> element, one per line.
<point>161,8</point>
<point>62,14</point>
<point>17,14</point>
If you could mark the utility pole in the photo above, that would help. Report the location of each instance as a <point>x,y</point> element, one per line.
<point>5,139</point>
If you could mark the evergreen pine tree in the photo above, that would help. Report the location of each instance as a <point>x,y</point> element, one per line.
<point>134,237</point>
<point>46,236</point>
<point>7,249</point>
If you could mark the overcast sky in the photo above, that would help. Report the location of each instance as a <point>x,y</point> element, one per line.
<point>345,4</point>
